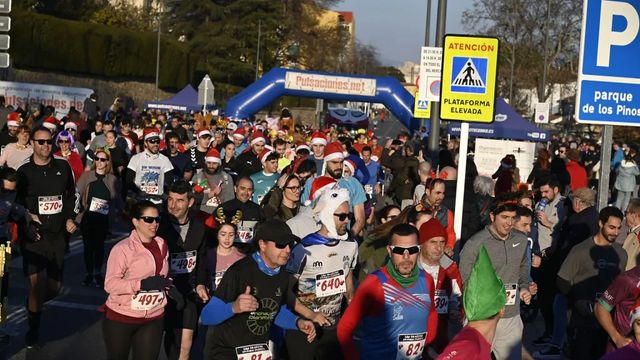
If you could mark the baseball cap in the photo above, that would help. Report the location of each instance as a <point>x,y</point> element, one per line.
<point>277,231</point>
<point>232,126</point>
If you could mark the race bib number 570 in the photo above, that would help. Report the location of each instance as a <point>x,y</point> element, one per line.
<point>49,205</point>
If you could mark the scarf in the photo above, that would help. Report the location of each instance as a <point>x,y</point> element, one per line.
<point>317,239</point>
<point>405,282</point>
<point>263,267</point>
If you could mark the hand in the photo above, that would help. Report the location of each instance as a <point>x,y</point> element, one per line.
<point>448,251</point>
<point>621,341</point>
<point>33,227</point>
<point>525,296</point>
<point>177,297</point>
<point>543,219</point>
<point>202,292</point>
<point>156,282</point>
<point>535,260</point>
<point>533,288</point>
<point>71,226</point>
<point>320,319</point>
<point>307,327</point>
<point>245,302</point>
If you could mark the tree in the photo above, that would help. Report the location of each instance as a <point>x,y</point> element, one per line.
<point>525,35</point>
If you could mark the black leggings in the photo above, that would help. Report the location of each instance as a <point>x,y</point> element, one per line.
<point>94,230</point>
<point>143,339</point>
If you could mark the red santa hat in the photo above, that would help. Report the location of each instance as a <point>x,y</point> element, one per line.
<point>14,119</point>
<point>213,155</point>
<point>70,125</point>
<point>257,137</point>
<point>432,229</point>
<point>318,138</point>
<point>50,123</point>
<point>263,155</point>
<point>334,151</point>
<point>239,133</point>
<point>635,313</point>
<point>351,165</point>
<point>203,132</point>
<point>318,186</point>
<point>302,146</point>
<point>150,132</point>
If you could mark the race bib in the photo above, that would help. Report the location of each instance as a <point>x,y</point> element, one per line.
<point>442,302</point>
<point>253,352</point>
<point>150,189</point>
<point>217,277</point>
<point>49,205</point>
<point>184,262</point>
<point>213,202</point>
<point>245,231</point>
<point>410,346</point>
<point>146,300</point>
<point>99,206</point>
<point>368,189</point>
<point>512,292</point>
<point>330,284</point>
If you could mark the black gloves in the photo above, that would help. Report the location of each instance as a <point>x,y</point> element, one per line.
<point>155,282</point>
<point>177,297</point>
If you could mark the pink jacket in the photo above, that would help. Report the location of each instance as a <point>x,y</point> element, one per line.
<point>128,263</point>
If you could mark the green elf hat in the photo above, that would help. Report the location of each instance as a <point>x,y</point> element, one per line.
<point>484,296</point>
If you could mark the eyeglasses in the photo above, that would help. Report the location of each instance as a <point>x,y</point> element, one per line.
<point>294,188</point>
<point>44,141</point>
<point>205,137</point>
<point>101,159</point>
<point>62,141</point>
<point>282,246</point>
<point>399,250</point>
<point>154,141</point>
<point>150,219</point>
<point>344,216</point>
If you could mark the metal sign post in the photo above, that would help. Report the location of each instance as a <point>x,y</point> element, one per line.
<point>206,93</point>
<point>605,166</point>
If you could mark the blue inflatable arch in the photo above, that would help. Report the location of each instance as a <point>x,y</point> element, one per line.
<point>330,86</point>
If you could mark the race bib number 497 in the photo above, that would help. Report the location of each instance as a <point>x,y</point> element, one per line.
<point>146,300</point>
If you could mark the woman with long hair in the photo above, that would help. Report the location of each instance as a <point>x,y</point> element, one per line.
<point>283,200</point>
<point>16,153</point>
<point>99,193</point>
<point>67,150</point>
<point>541,167</point>
<point>221,253</point>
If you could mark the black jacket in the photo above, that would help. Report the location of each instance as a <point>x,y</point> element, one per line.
<point>247,163</point>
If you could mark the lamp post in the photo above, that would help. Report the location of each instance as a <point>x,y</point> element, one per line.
<point>434,133</point>
<point>158,57</point>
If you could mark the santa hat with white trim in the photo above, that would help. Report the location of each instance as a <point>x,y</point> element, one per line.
<point>318,138</point>
<point>318,186</point>
<point>14,119</point>
<point>239,133</point>
<point>50,123</point>
<point>203,132</point>
<point>326,206</point>
<point>302,146</point>
<point>213,155</point>
<point>635,313</point>
<point>264,154</point>
<point>71,125</point>
<point>351,165</point>
<point>257,137</point>
<point>150,132</point>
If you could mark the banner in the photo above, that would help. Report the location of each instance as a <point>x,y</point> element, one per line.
<point>62,98</point>
<point>330,84</point>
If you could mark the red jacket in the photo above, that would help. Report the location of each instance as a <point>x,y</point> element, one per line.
<point>75,162</point>
<point>578,175</point>
<point>447,275</point>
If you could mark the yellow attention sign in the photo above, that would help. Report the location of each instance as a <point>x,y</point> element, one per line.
<point>421,108</point>
<point>469,69</point>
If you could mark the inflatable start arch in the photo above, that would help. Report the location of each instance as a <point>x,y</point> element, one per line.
<point>278,82</point>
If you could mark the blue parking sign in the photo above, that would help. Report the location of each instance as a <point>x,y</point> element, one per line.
<point>609,72</point>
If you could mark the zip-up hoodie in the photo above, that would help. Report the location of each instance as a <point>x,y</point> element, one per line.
<point>507,256</point>
<point>129,262</point>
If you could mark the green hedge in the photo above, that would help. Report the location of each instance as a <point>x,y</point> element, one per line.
<point>47,43</point>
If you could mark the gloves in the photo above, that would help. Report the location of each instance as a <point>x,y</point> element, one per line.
<point>177,297</point>
<point>155,282</point>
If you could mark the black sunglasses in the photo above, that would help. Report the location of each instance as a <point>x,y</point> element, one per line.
<point>154,141</point>
<point>150,219</point>
<point>101,159</point>
<point>344,216</point>
<point>64,141</point>
<point>399,250</point>
<point>44,141</point>
<point>206,136</point>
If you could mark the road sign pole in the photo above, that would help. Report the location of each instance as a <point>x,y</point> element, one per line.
<point>605,166</point>
<point>462,173</point>
<point>204,106</point>
<point>434,133</point>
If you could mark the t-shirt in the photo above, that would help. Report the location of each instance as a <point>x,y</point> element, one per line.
<point>357,195</point>
<point>98,198</point>
<point>629,352</point>
<point>469,344</point>
<point>250,327</point>
<point>262,183</point>
<point>621,296</point>
<point>321,270</point>
<point>222,263</point>
<point>590,269</point>
<point>150,170</point>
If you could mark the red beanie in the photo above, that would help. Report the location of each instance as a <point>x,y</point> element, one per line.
<point>432,229</point>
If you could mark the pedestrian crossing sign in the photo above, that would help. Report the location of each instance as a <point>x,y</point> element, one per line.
<point>469,69</point>
<point>421,108</point>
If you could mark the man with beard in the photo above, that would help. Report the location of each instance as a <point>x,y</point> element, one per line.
<point>508,253</point>
<point>187,259</point>
<point>213,186</point>
<point>394,328</point>
<point>323,264</point>
<point>11,134</point>
<point>248,163</point>
<point>149,172</point>
<point>433,198</point>
<point>588,270</point>
<point>198,152</point>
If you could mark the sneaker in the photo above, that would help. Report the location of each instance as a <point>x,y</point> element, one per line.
<point>99,281</point>
<point>542,341</point>
<point>549,352</point>
<point>88,280</point>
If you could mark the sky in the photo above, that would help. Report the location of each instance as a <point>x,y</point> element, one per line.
<point>397,27</point>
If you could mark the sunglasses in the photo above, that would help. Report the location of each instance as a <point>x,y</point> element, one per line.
<point>150,219</point>
<point>61,141</point>
<point>294,188</point>
<point>344,216</point>
<point>399,250</point>
<point>205,137</point>
<point>154,141</point>
<point>282,246</point>
<point>44,141</point>
<point>101,159</point>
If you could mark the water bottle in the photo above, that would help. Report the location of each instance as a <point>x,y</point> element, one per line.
<point>542,204</point>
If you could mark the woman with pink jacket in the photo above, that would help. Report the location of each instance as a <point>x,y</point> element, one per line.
<point>137,284</point>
